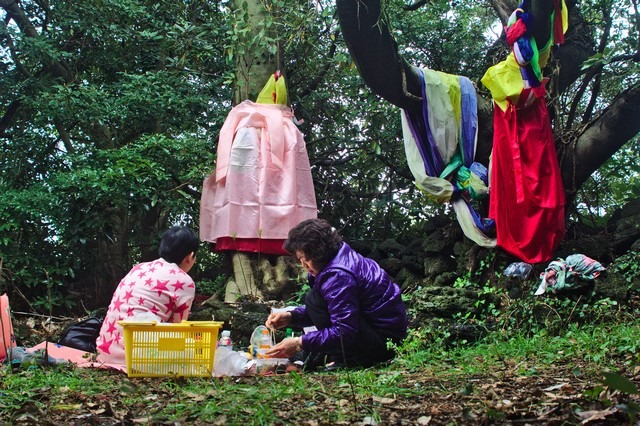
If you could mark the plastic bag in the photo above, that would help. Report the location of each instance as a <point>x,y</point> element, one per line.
<point>256,337</point>
<point>231,363</point>
<point>82,335</point>
<point>518,270</point>
<point>22,355</point>
<point>267,366</point>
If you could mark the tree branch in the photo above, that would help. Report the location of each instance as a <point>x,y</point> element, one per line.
<point>12,109</point>
<point>64,134</point>
<point>55,68</point>
<point>313,85</point>
<point>374,51</point>
<point>595,92</point>
<point>600,140</point>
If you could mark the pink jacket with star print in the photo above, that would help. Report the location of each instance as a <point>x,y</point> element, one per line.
<point>158,287</point>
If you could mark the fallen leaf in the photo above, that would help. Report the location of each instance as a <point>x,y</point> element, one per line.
<point>383,400</point>
<point>369,421</point>
<point>590,416</point>
<point>424,420</point>
<point>195,397</point>
<point>554,387</point>
<point>67,406</point>
<point>24,418</point>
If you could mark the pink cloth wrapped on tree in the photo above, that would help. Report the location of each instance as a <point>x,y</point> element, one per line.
<point>262,185</point>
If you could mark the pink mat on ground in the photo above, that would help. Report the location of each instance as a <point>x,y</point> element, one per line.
<point>80,358</point>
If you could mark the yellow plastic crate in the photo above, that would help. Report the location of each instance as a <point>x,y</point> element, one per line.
<point>170,349</point>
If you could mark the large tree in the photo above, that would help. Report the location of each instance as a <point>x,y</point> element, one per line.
<point>584,143</point>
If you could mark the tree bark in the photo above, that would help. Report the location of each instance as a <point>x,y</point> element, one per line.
<point>375,53</point>
<point>253,68</point>
<point>252,272</point>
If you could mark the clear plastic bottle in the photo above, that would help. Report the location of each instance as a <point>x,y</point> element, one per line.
<point>265,343</point>
<point>225,339</point>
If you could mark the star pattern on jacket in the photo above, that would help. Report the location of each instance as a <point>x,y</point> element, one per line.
<point>106,346</point>
<point>178,285</point>
<point>159,288</point>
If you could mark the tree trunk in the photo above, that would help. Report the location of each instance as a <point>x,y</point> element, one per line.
<point>252,272</point>
<point>253,67</point>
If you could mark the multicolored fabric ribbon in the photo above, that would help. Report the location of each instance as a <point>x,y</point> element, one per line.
<point>440,146</point>
<point>527,196</point>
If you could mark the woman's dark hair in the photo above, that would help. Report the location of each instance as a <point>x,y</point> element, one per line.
<point>317,239</point>
<point>177,242</point>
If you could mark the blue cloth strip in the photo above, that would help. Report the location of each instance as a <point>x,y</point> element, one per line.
<point>469,120</point>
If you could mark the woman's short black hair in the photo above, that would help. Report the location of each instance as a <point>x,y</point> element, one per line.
<point>176,243</point>
<point>317,239</point>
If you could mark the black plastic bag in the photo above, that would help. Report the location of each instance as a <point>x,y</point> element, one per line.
<point>82,335</point>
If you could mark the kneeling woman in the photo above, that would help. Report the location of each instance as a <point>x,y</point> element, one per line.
<point>353,303</point>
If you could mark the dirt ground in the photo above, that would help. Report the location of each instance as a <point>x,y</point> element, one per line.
<point>559,395</point>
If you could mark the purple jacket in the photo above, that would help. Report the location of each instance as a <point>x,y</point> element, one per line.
<point>353,286</point>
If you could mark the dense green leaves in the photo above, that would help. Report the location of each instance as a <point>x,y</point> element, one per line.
<point>110,111</point>
<point>96,164</point>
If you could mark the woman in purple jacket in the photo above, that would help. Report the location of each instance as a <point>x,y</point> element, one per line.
<point>353,303</point>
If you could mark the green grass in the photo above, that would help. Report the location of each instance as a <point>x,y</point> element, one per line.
<point>599,347</point>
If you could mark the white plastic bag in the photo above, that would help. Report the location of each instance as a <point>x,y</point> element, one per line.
<point>230,363</point>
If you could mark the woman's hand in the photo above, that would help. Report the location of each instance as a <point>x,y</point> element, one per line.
<point>286,348</point>
<point>278,320</point>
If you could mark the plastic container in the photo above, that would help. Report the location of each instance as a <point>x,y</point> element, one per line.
<point>261,341</point>
<point>225,339</point>
<point>265,366</point>
<point>265,343</point>
<point>170,349</point>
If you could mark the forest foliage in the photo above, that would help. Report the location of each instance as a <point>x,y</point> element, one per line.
<point>110,112</point>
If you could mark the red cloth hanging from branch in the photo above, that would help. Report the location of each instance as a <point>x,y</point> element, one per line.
<point>528,203</point>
